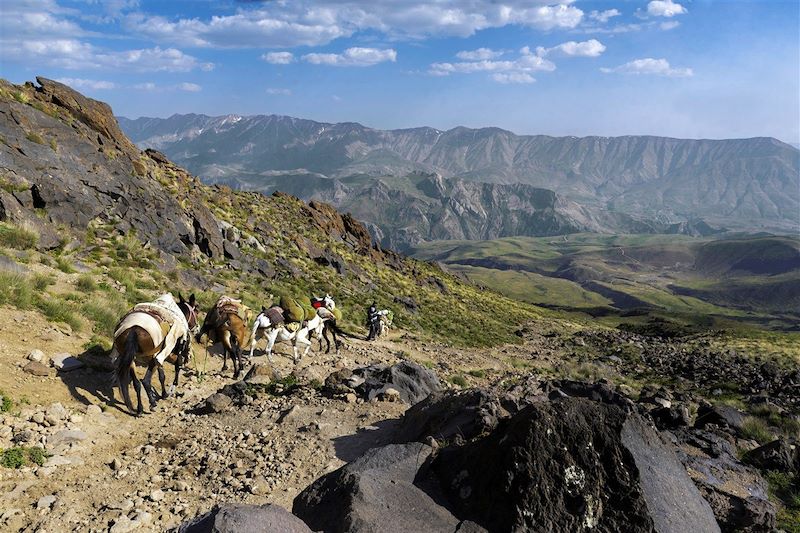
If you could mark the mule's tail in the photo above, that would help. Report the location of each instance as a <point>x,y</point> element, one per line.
<point>124,363</point>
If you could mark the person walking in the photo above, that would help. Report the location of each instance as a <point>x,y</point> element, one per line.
<point>373,322</point>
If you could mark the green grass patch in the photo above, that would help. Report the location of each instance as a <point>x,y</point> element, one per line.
<point>65,265</point>
<point>86,283</point>
<point>477,373</point>
<point>17,237</point>
<point>19,456</point>
<point>5,402</point>
<point>756,429</point>
<point>786,489</point>
<point>458,380</point>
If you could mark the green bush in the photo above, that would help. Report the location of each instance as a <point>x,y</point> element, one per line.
<point>5,402</point>
<point>86,283</point>
<point>64,265</point>
<point>58,310</point>
<point>459,380</point>
<point>20,456</point>
<point>17,237</point>
<point>42,281</point>
<point>15,290</point>
<point>477,373</point>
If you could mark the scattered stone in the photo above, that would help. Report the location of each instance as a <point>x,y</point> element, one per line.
<point>218,402</point>
<point>45,503</point>
<point>66,436</point>
<point>116,464</point>
<point>66,362</point>
<point>93,410</point>
<point>36,356</point>
<point>776,455</point>
<point>261,374</point>
<point>57,460</point>
<point>157,495</point>
<point>37,369</point>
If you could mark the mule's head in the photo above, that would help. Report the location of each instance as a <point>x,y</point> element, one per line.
<point>328,302</point>
<point>189,308</point>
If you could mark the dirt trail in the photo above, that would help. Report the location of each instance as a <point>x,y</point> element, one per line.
<point>153,472</point>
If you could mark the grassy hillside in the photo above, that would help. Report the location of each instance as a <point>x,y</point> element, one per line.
<point>750,279</point>
<point>108,226</point>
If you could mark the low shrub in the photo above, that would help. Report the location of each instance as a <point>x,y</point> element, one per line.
<point>459,380</point>
<point>756,429</point>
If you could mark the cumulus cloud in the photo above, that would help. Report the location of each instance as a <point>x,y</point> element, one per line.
<point>278,58</point>
<point>353,57</point>
<point>506,71</point>
<point>274,90</point>
<point>479,54</point>
<point>318,22</point>
<point>83,84</point>
<point>590,48</point>
<point>189,87</point>
<point>150,86</point>
<point>73,54</point>
<point>656,67</point>
<point>513,77</point>
<point>604,16</point>
<point>669,25</point>
<point>665,8</point>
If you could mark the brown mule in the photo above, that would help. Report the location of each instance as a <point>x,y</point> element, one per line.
<point>135,341</point>
<point>226,326</point>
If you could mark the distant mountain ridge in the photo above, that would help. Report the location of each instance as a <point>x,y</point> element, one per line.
<point>744,183</point>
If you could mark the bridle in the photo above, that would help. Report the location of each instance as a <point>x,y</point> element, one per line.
<point>192,315</point>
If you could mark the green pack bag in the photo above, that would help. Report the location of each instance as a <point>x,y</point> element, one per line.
<point>292,310</point>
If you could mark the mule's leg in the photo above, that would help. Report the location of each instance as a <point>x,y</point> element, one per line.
<point>335,340</point>
<point>236,356</point>
<point>327,340</point>
<point>178,363</point>
<point>162,377</point>
<point>225,348</point>
<point>148,387</point>
<point>270,343</point>
<point>137,386</point>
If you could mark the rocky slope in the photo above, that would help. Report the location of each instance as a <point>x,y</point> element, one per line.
<point>71,176</point>
<point>749,183</point>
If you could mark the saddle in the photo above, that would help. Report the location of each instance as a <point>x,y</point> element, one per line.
<point>163,323</point>
<point>275,315</point>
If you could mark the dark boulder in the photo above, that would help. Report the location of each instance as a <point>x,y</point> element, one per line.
<point>776,455</point>
<point>569,466</point>
<point>268,518</point>
<point>721,415</point>
<point>414,382</point>
<point>445,415</point>
<point>737,493</point>
<point>375,493</point>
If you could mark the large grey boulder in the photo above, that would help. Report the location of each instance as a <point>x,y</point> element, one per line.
<point>233,518</point>
<point>572,465</point>
<point>414,382</point>
<point>375,493</point>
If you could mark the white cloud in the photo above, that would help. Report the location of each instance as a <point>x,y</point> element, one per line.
<point>82,84</point>
<point>669,25</point>
<point>479,54</point>
<point>665,8</point>
<point>507,71</point>
<point>657,67</point>
<point>604,16</point>
<point>278,58</point>
<point>189,87</point>
<point>513,77</point>
<point>318,22</point>
<point>590,48</point>
<point>77,55</point>
<point>353,57</point>
<point>284,92</point>
<point>149,86</point>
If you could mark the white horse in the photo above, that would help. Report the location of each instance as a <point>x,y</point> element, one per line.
<point>275,333</point>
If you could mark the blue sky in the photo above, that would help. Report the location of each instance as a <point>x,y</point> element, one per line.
<point>696,69</point>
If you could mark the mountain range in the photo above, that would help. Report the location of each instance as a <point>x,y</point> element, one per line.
<point>487,183</point>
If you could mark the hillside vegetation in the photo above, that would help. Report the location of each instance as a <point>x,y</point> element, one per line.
<point>124,225</point>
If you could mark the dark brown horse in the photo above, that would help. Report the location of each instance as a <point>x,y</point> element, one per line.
<point>135,341</point>
<point>223,324</point>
